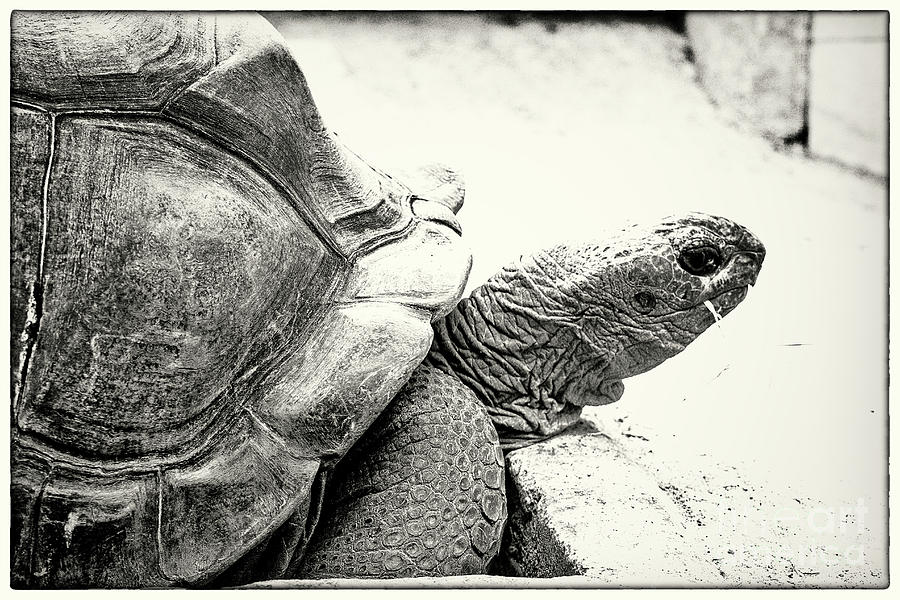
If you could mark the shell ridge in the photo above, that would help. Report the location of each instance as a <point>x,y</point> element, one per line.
<point>36,522</point>
<point>37,443</point>
<point>32,326</point>
<point>159,521</point>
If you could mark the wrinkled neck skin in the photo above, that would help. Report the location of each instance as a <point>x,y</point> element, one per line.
<point>536,343</point>
<point>560,330</point>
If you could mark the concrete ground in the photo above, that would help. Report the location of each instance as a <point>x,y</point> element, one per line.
<point>570,130</point>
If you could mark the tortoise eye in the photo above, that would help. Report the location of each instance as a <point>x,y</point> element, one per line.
<point>704,260</point>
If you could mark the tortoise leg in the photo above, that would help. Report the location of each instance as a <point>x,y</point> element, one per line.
<point>421,494</point>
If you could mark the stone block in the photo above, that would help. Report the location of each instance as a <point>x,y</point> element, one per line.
<point>579,506</point>
<point>859,26</point>
<point>624,508</point>
<point>848,90</point>
<point>754,66</point>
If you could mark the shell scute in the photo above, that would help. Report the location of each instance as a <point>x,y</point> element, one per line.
<point>108,60</point>
<point>160,259</point>
<point>240,492</point>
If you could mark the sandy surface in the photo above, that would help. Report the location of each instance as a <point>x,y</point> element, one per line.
<point>570,132</point>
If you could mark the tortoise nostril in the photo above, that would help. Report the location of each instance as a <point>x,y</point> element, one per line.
<point>750,259</point>
<point>751,243</point>
<point>644,302</point>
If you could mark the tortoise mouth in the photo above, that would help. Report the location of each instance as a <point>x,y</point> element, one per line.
<point>712,309</point>
<point>725,302</point>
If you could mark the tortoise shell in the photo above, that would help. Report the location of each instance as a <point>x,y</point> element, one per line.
<point>211,298</point>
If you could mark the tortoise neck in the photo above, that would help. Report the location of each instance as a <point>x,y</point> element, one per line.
<point>517,362</point>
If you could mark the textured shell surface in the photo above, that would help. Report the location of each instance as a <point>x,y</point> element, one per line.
<point>211,297</point>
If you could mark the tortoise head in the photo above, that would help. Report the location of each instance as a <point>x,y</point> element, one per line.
<point>655,290</point>
<point>560,329</point>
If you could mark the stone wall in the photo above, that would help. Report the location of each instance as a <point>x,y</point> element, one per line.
<point>819,79</point>
<point>754,66</point>
<point>848,89</point>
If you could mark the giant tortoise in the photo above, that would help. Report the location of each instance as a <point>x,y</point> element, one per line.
<point>239,351</point>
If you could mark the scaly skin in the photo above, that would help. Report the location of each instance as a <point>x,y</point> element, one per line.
<point>540,340</point>
<point>421,494</point>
